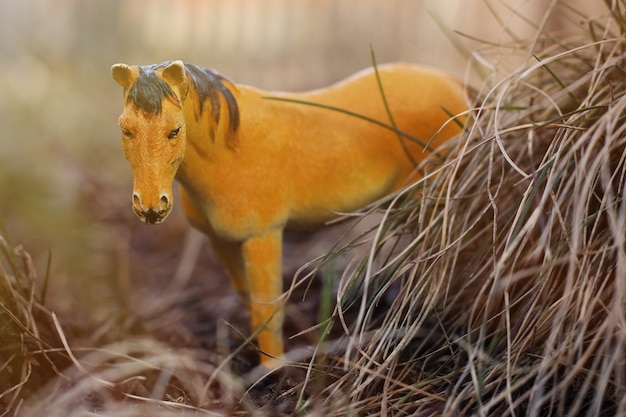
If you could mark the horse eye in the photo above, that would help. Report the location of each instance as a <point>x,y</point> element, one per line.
<point>126,133</point>
<point>174,133</point>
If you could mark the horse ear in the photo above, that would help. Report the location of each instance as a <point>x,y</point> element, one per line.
<point>123,74</point>
<point>174,73</point>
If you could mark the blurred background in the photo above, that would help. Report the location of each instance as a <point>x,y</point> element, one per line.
<point>64,185</point>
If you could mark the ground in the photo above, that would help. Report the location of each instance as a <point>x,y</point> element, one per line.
<point>198,306</point>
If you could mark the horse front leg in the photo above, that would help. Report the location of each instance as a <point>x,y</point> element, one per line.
<point>262,256</point>
<point>229,254</point>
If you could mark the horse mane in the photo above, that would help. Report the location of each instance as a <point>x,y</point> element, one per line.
<point>148,91</point>
<point>210,86</point>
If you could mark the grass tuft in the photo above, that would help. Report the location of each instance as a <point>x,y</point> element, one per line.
<point>508,262</point>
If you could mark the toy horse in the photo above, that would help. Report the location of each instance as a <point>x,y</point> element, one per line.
<point>249,166</point>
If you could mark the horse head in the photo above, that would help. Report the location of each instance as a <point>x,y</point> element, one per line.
<point>153,133</point>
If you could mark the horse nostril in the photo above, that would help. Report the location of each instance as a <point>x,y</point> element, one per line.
<point>165,202</point>
<point>154,212</point>
<point>137,201</point>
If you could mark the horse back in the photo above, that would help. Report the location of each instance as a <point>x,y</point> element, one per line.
<point>333,161</point>
<point>299,164</point>
<point>420,99</point>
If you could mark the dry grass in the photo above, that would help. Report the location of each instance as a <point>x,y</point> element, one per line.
<point>495,286</point>
<point>510,259</point>
<point>42,374</point>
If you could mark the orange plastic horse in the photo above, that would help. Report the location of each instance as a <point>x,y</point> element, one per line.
<point>249,166</point>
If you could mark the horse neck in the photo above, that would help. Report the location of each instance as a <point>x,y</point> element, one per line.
<point>199,111</point>
<point>207,140</point>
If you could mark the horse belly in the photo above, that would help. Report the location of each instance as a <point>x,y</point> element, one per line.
<point>341,191</point>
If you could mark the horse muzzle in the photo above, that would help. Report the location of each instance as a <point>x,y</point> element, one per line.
<point>152,213</point>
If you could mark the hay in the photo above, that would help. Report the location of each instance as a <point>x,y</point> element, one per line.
<point>511,296</point>
<point>27,357</point>
<point>46,372</point>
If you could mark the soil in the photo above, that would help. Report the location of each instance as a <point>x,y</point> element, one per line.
<point>184,297</point>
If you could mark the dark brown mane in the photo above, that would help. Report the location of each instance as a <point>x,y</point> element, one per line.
<point>148,92</point>
<point>210,86</point>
